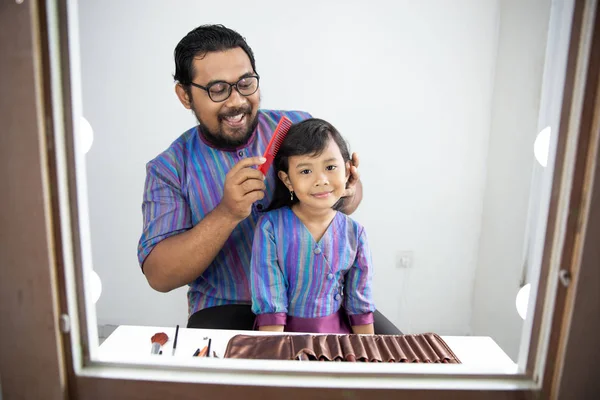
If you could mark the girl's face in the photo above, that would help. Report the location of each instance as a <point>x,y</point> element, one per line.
<point>317,181</point>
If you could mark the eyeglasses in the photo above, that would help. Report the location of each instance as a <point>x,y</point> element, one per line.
<point>220,91</point>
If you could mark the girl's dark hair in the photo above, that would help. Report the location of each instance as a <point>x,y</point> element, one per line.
<point>310,136</point>
<point>205,39</point>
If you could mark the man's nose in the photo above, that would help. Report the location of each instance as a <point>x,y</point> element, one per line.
<point>235,100</point>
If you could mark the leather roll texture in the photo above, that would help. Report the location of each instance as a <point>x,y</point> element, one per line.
<point>421,348</point>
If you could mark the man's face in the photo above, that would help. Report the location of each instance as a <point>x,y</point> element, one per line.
<point>229,123</point>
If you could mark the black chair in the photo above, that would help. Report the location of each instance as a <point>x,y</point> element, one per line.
<point>384,326</point>
<point>240,317</point>
<point>232,316</point>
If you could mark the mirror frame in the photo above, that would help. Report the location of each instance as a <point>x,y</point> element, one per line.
<point>575,161</point>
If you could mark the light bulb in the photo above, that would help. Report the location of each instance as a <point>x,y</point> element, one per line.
<point>522,300</point>
<point>86,135</point>
<point>96,285</point>
<point>541,146</point>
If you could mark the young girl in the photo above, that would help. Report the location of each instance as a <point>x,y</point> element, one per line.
<point>311,265</point>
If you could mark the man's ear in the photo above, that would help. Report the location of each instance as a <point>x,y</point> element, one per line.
<point>285,178</point>
<point>183,96</point>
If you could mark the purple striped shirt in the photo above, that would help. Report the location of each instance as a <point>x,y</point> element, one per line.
<point>294,275</point>
<point>183,184</point>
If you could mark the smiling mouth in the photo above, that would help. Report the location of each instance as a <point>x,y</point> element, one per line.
<point>321,195</point>
<point>235,121</point>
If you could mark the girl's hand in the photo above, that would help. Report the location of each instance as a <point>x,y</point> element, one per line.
<point>363,329</point>
<point>271,328</point>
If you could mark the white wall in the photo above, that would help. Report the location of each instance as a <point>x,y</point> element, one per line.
<point>408,83</point>
<point>516,104</point>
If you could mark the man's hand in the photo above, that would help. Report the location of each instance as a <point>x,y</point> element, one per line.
<point>244,185</point>
<point>354,177</point>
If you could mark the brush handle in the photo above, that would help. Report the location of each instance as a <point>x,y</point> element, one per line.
<point>203,352</point>
<point>155,348</point>
<point>264,167</point>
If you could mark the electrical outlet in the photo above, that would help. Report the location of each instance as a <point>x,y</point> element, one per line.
<point>404,259</point>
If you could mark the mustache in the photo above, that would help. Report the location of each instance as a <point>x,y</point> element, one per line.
<point>235,111</point>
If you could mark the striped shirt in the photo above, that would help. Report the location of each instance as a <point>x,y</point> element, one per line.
<point>296,275</point>
<point>184,184</point>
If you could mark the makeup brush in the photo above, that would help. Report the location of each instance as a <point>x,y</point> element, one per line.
<point>158,340</point>
<point>175,342</point>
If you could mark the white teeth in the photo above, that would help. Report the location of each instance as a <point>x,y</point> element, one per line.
<point>235,118</point>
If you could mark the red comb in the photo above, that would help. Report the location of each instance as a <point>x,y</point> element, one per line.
<point>282,129</point>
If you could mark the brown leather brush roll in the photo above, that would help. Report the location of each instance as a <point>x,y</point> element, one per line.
<point>421,348</point>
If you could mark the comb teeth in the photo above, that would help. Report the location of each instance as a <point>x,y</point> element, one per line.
<point>276,147</point>
<point>275,143</point>
<point>280,135</point>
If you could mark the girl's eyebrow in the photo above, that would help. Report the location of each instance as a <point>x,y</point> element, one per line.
<point>307,164</point>
<point>303,165</point>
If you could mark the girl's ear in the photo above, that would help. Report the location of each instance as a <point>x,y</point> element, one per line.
<point>285,179</point>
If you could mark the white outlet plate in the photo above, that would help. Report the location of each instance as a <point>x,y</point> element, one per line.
<point>404,259</point>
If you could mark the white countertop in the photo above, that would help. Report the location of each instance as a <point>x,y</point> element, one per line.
<point>133,342</point>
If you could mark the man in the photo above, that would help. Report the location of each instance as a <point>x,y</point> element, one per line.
<point>203,195</point>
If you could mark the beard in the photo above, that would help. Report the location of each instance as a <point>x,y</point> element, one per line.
<point>220,139</point>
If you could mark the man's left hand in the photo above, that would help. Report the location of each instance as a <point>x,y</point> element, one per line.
<point>354,177</point>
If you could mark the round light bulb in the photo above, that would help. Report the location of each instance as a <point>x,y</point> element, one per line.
<point>541,146</point>
<point>522,300</point>
<point>96,285</point>
<point>86,135</point>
